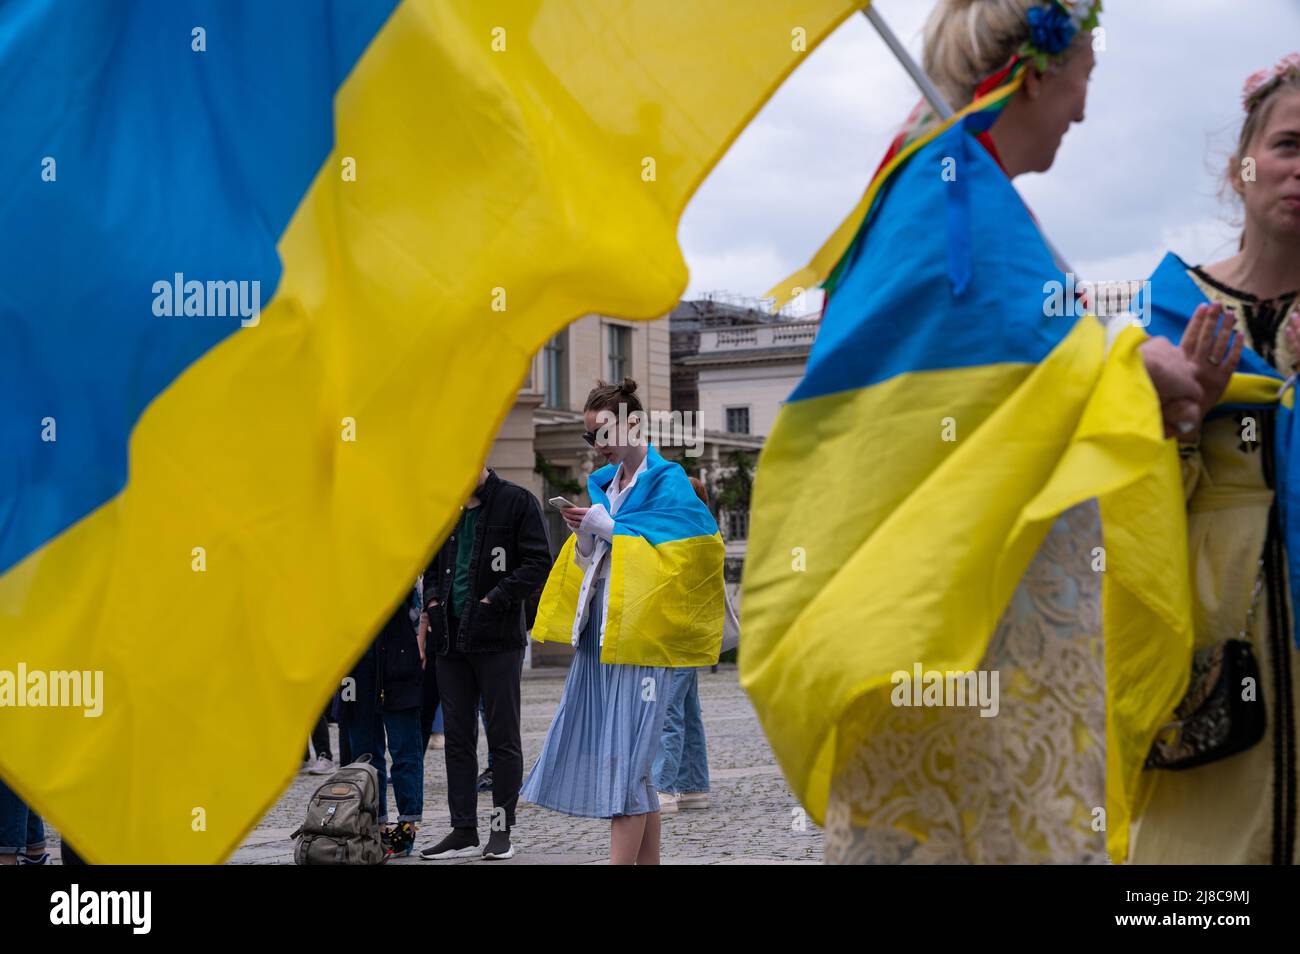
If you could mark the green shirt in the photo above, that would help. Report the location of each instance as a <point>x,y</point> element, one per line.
<point>464,549</point>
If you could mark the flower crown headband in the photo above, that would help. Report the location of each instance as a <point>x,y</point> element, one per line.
<point>1262,82</point>
<point>1053,27</point>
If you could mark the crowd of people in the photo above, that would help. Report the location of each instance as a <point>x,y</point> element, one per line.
<point>626,739</point>
<point>626,742</point>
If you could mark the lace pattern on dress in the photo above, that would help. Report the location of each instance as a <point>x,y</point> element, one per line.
<point>1027,785</point>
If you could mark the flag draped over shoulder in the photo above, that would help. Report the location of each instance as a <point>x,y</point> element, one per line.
<point>944,420</point>
<point>666,588</point>
<point>272,276</point>
<point>1173,297</point>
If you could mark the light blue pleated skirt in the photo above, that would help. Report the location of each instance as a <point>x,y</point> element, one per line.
<point>597,756</point>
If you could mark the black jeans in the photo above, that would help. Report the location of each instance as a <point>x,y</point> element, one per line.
<point>462,679</point>
<point>429,698</point>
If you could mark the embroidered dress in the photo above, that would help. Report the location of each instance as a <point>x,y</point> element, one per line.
<point>1242,809</point>
<point>947,786</point>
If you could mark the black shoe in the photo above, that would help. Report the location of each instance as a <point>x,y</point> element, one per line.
<point>461,843</point>
<point>499,847</point>
<point>485,781</point>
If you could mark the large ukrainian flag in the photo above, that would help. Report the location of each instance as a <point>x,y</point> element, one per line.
<point>221,512</point>
<point>943,422</point>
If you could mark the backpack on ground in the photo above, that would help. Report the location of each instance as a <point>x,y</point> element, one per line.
<point>342,826</point>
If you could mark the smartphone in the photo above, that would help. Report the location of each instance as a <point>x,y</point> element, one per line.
<point>559,503</point>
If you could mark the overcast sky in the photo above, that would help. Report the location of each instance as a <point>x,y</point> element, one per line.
<point>1133,180</point>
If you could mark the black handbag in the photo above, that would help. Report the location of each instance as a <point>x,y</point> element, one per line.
<point>1213,721</point>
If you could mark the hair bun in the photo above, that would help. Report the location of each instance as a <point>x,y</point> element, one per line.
<point>628,386</point>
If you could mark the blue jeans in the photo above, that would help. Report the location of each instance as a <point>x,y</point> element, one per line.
<point>371,730</point>
<point>401,731</point>
<point>406,746</point>
<point>21,829</point>
<point>682,764</point>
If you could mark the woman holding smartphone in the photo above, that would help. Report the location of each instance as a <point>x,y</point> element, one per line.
<point>638,590</point>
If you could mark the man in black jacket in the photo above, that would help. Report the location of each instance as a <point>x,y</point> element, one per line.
<point>476,592</point>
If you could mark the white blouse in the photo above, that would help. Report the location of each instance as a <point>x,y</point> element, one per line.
<point>591,552</point>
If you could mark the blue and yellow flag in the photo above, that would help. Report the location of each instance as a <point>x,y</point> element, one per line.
<point>945,419</point>
<point>273,274</point>
<point>666,592</point>
<point>1172,298</point>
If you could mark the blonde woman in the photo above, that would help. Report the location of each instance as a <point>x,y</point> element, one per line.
<point>1235,803</point>
<point>1023,778</point>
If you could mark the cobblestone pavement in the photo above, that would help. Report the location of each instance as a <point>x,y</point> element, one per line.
<point>753,817</point>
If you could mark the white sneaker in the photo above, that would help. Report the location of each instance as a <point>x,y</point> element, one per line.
<point>693,801</point>
<point>437,741</point>
<point>323,766</point>
<point>667,804</point>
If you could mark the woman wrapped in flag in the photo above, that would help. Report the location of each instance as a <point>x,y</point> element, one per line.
<point>638,590</point>
<point>968,657</point>
<point>1234,801</point>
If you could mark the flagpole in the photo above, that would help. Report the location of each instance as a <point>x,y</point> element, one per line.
<point>919,77</point>
<point>936,99</point>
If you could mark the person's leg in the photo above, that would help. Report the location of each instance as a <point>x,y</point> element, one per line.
<point>625,835</point>
<point>482,711</point>
<point>35,835</point>
<point>335,710</point>
<point>458,689</point>
<point>345,744</point>
<point>366,725</point>
<point>403,731</point>
<point>347,712</point>
<point>404,744</point>
<point>694,773</point>
<point>429,722</point>
<point>667,764</point>
<point>320,736</point>
<point>648,853</point>
<point>499,678</point>
<point>13,825</point>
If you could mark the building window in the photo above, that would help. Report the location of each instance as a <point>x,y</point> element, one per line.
<point>620,353</point>
<point>555,525</point>
<point>555,371</point>
<point>737,524</point>
<point>738,420</point>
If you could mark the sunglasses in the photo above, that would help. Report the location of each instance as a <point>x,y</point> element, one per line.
<point>589,437</point>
